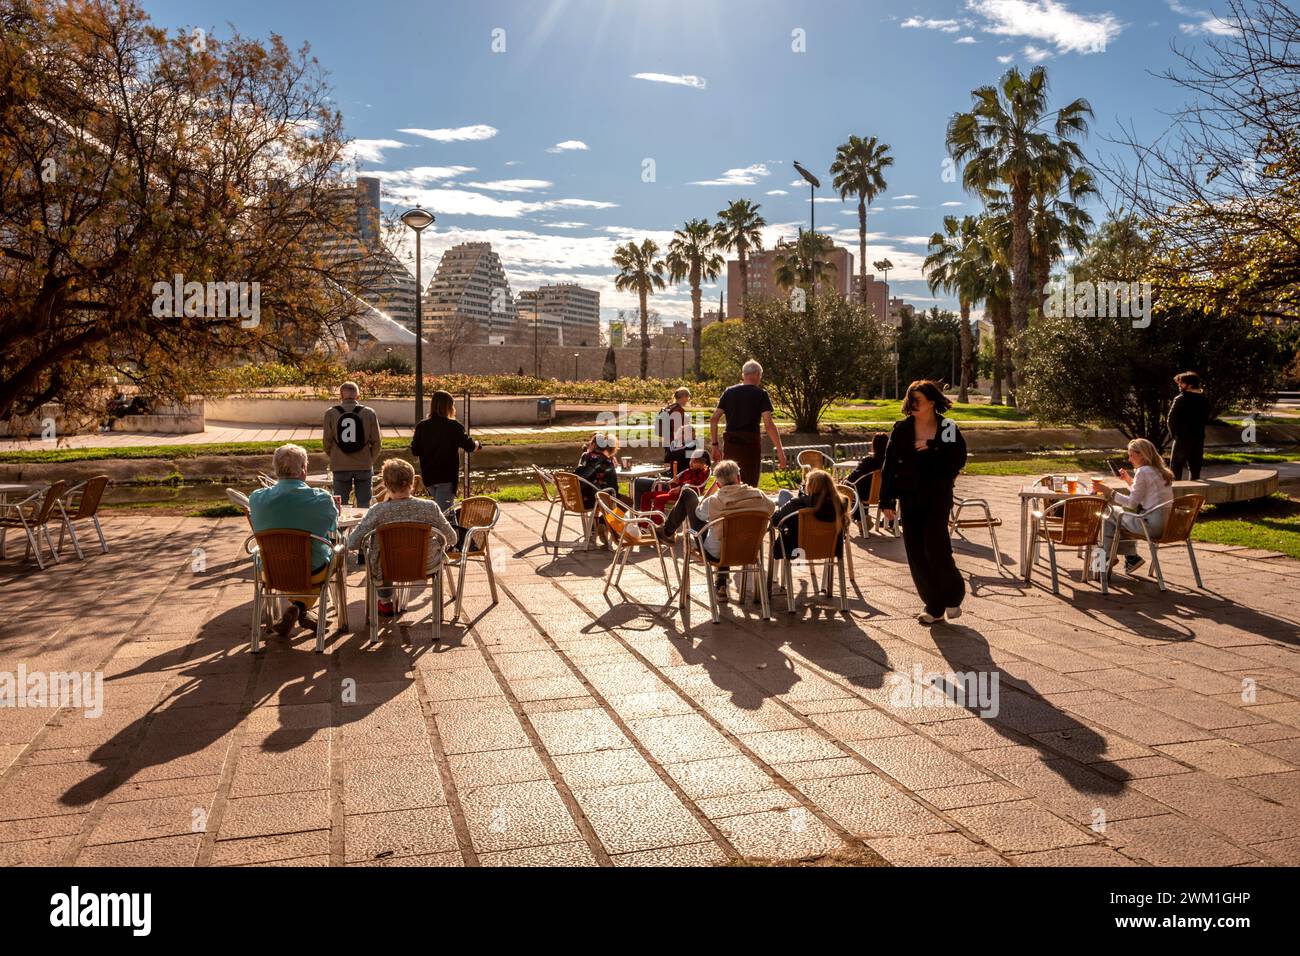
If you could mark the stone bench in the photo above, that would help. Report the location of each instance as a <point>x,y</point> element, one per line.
<point>1243,485</point>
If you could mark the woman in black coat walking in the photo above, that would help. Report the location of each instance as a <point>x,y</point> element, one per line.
<point>925,454</point>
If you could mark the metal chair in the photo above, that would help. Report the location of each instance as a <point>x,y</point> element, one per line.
<point>282,568</point>
<point>631,530</point>
<point>1183,512</point>
<point>547,483</point>
<point>33,515</point>
<point>1069,523</point>
<point>812,458</point>
<point>478,516</point>
<point>855,506</point>
<point>816,544</point>
<point>959,524</point>
<point>401,558</point>
<point>265,480</point>
<point>81,503</point>
<point>740,538</point>
<point>568,488</point>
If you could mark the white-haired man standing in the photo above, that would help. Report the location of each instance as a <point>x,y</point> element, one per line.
<point>353,443</point>
<point>748,409</point>
<point>292,503</point>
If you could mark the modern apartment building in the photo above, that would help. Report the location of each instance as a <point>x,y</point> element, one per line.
<point>567,314</point>
<point>762,278</point>
<point>877,299</point>
<point>469,298</point>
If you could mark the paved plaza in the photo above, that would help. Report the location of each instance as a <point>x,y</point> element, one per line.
<point>563,728</point>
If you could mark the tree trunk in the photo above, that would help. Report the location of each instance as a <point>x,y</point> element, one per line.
<point>645,336</point>
<point>964,333</point>
<point>1020,290</point>
<point>862,252</point>
<point>696,319</point>
<point>999,337</point>
<point>743,265</point>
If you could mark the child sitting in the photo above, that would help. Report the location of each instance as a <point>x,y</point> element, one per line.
<point>694,476</point>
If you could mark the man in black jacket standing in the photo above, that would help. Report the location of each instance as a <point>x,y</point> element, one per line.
<point>1188,416</point>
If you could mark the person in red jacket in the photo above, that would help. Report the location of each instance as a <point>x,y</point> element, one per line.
<point>696,475</point>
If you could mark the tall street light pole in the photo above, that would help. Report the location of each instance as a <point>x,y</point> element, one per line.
<point>537,361</point>
<point>813,185</point>
<point>418,219</point>
<point>683,341</point>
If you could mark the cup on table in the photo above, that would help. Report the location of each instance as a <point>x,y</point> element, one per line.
<point>627,462</point>
<point>1072,484</point>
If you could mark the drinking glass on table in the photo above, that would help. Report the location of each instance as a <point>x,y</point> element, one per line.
<point>1072,484</point>
<point>627,462</point>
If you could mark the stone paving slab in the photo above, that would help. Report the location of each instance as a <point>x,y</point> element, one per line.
<point>564,727</point>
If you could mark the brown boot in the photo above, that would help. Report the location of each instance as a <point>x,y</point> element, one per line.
<point>287,620</point>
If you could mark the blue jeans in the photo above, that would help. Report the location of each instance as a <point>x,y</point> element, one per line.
<point>443,493</point>
<point>346,481</point>
<point>1133,523</point>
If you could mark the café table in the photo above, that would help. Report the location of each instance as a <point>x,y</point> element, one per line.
<point>848,465</point>
<point>16,488</point>
<point>1046,495</point>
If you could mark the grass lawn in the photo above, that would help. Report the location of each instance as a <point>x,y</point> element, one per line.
<point>1272,524</point>
<point>887,412</point>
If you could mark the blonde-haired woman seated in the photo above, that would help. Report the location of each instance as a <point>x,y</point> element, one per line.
<point>400,507</point>
<point>1151,486</point>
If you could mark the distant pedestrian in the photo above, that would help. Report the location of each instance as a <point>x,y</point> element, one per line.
<point>1188,416</point>
<point>353,443</point>
<point>437,443</point>
<point>748,410</point>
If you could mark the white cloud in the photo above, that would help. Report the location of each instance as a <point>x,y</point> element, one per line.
<point>744,176</point>
<point>1006,59</point>
<point>1035,54</point>
<point>422,175</point>
<point>459,134</point>
<point>919,23</point>
<point>569,145</point>
<point>372,150</point>
<point>511,185</point>
<point>1206,22</point>
<point>799,183</point>
<point>777,192</point>
<point>966,39</point>
<point>906,207</point>
<point>675,79</point>
<point>512,162</point>
<point>1050,21</point>
<point>953,205</point>
<point>908,196</point>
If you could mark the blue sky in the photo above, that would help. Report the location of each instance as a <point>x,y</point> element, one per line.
<point>541,147</point>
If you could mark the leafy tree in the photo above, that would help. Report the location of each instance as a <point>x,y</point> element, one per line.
<point>806,262</point>
<point>953,265</point>
<point>859,170</point>
<point>927,345</point>
<point>814,357</point>
<point>128,157</point>
<point>740,228</point>
<point>691,256</point>
<point>640,271</point>
<point>722,352</point>
<point>610,370</point>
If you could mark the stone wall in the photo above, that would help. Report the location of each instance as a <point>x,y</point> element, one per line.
<point>556,362</point>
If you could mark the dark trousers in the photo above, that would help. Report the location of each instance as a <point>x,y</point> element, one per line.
<point>683,510</point>
<point>746,450</point>
<point>929,554</point>
<point>1186,454</point>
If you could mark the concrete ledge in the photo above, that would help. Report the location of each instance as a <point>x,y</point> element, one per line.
<point>290,412</point>
<point>1244,485</point>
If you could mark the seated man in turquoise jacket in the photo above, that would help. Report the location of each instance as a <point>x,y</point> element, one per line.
<point>292,503</point>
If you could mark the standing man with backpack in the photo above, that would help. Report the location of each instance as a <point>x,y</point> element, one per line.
<point>352,442</point>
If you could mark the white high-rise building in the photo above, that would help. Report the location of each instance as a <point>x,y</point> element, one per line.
<point>567,313</point>
<point>469,297</point>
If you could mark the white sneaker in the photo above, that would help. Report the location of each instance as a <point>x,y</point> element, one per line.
<point>953,613</point>
<point>926,618</point>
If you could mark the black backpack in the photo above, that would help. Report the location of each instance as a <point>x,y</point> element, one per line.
<point>350,430</point>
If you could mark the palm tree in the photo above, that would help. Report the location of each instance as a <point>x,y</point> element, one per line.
<point>691,256</point>
<point>642,272</point>
<point>1007,140</point>
<point>740,227</point>
<point>994,287</point>
<point>953,265</point>
<point>859,169</point>
<point>805,262</point>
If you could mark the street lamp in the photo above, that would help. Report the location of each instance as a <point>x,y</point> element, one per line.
<point>575,366</point>
<point>683,341</point>
<point>418,219</point>
<point>537,361</point>
<point>813,185</point>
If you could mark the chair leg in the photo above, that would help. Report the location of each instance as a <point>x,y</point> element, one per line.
<point>609,573</point>
<point>1051,553</point>
<point>849,551</point>
<point>663,567</point>
<point>103,544</point>
<point>1155,566</point>
<point>787,576</point>
<point>72,533</point>
<point>255,639</point>
<point>437,607</point>
<point>997,554</point>
<point>460,589</point>
<point>844,590</point>
<point>1196,571</point>
<point>762,589</point>
<point>713,597</point>
<point>372,607</point>
<point>322,612</point>
<point>491,575</point>
<point>559,530</point>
